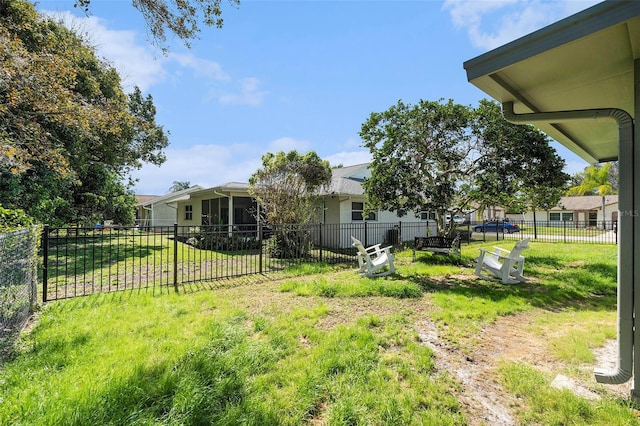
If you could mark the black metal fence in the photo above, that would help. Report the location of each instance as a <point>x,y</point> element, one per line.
<point>83,261</point>
<point>18,278</point>
<point>589,232</point>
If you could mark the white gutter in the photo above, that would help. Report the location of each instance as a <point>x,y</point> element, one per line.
<point>623,371</point>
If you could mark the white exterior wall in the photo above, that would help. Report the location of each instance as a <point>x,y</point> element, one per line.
<point>196,217</point>
<point>608,210</point>
<point>339,212</point>
<point>331,210</point>
<point>159,214</point>
<point>543,215</point>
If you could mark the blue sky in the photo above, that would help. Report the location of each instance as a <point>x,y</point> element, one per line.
<point>303,74</point>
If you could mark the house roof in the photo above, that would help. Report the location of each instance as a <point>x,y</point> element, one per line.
<point>170,197</point>
<point>585,202</point>
<point>585,61</point>
<point>233,186</point>
<point>223,190</point>
<point>143,199</point>
<point>348,180</point>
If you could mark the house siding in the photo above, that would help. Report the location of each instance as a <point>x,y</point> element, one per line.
<point>162,210</point>
<point>579,207</point>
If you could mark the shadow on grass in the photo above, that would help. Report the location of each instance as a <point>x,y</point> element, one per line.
<point>441,259</point>
<point>202,387</point>
<point>553,286</point>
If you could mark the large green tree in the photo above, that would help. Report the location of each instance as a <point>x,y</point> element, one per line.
<point>420,154</point>
<point>446,157</point>
<point>518,169</point>
<point>286,187</point>
<point>69,135</point>
<point>287,191</point>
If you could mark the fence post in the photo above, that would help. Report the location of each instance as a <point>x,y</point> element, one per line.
<point>175,256</point>
<point>366,240</point>
<point>320,232</point>
<point>45,262</point>
<point>259,247</point>
<point>399,241</point>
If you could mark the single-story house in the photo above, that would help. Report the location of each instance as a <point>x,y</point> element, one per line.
<point>160,210</point>
<point>343,202</point>
<point>586,210</point>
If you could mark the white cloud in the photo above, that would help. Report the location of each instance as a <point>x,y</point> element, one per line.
<point>287,144</point>
<point>201,67</point>
<point>349,158</point>
<point>354,143</point>
<point>491,24</point>
<point>205,165</point>
<point>247,93</point>
<point>465,13</point>
<point>139,63</point>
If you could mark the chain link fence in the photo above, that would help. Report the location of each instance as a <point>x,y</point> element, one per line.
<point>18,278</point>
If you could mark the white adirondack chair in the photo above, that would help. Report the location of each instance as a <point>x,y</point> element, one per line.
<point>374,261</point>
<point>505,265</point>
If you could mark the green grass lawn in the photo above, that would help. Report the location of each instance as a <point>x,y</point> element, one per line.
<point>320,345</point>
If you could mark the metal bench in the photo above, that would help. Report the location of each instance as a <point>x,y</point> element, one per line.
<point>437,244</point>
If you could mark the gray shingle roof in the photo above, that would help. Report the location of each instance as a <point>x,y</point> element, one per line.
<point>348,180</point>
<point>585,202</point>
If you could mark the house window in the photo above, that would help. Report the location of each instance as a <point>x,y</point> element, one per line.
<point>564,216</point>
<point>426,215</point>
<point>357,212</point>
<point>188,212</point>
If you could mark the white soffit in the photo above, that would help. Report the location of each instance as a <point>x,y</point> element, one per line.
<point>582,62</point>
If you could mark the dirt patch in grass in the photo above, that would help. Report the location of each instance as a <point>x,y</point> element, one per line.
<point>507,339</point>
<point>482,397</point>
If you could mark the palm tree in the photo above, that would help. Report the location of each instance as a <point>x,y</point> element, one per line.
<point>595,180</point>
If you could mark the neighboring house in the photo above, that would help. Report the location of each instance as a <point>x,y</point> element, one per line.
<point>584,210</point>
<point>160,210</point>
<point>343,202</point>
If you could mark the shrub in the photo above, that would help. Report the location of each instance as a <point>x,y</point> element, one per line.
<point>11,219</point>
<point>289,244</point>
<point>220,239</point>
